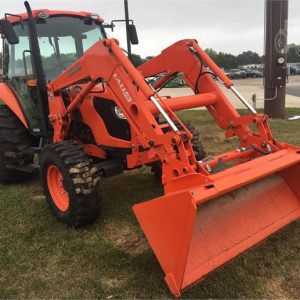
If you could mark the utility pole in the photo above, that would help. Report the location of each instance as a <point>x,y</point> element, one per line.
<point>275,72</point>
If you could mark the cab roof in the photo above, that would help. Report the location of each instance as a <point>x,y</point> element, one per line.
<point>35,13</point>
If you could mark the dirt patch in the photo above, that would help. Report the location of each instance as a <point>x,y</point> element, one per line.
<point>112,283</point>
<point>126,239</point>
<point>217,137</point>
<point>284,287</point>
<point>33,189</point>
<point>274,289</point>
<point>39,197</point>
<point>292,285</point>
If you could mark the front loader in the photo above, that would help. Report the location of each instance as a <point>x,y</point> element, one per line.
<point>76,110</point>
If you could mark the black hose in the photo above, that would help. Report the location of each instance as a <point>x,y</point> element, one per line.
<point>201,73</point>
<point>170,79</point>
<point>196,90</point>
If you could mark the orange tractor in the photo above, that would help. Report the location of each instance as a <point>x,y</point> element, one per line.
<point>75,109</point>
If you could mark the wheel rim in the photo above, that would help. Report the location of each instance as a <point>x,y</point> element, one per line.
<point>56,188</point>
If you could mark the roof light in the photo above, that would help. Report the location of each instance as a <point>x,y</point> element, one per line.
<point>43,15</point>
<point>95,16</point>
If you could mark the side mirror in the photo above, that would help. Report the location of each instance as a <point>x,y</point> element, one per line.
<point>133,34</point>
<point>8,31</point>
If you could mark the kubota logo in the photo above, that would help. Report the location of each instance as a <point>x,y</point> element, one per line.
<point>122,87</point>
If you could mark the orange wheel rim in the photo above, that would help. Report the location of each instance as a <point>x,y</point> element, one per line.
<point>56,188</point>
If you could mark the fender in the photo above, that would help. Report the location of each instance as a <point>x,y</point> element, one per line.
<point>8,98</point>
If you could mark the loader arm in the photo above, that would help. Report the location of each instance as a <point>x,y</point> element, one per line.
<point>188,58</point>
<point>106,64</point>
<point>133,95</point>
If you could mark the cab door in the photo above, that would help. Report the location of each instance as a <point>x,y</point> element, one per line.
<point>19,75</point>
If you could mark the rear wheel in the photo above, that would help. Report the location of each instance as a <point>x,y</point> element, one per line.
<point>14,139</point>
<point>196,144</point>
<point>70,183</point>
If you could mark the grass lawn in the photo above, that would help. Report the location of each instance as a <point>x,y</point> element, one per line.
<point>41,258</point>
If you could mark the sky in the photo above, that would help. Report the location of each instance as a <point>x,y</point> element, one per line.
<point>231,26</point>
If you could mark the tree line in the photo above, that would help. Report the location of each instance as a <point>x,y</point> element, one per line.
<point>230,61</point>
<point>227,60</point>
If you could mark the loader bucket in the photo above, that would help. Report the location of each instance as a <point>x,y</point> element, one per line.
<point>196,230</point>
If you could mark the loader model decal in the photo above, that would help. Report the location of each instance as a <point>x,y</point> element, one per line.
<point>123,88</point>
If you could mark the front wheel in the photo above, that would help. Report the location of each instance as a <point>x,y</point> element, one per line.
<point>70,183</point>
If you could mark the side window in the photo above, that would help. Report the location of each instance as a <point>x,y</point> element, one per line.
<point>90,38</point>
<point>16,66</point>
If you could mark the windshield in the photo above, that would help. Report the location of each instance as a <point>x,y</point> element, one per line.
<point>63,40</point>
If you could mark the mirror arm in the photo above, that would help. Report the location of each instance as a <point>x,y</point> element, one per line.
<point>17,16</point>
<point>112,25</point>
<point>122,20</point>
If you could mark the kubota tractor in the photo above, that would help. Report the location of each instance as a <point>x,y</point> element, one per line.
<point>76,109</point>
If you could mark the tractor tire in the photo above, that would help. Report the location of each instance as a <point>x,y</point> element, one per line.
<point>198,148</point>
<point>70,183</point>
<point>14,139</point>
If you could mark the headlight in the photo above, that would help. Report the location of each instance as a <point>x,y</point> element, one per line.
<point>119,113</point>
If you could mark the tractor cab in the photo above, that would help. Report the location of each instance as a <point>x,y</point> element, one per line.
<point>62,38</point>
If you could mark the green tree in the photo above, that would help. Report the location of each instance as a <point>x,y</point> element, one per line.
<point>137,60</point>
<point>224,60</point>
<point>227,61</point>
<point>149,57</point>
<point>293,55</point>
<point>248,57</point>
<point>212,54</point>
